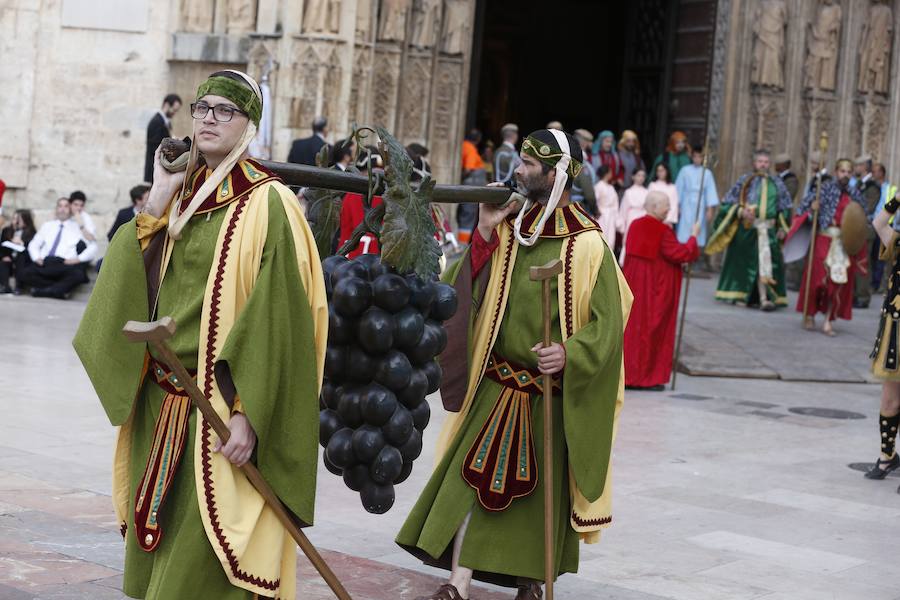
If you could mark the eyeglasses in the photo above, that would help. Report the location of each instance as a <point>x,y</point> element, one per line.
<point>221,112</point>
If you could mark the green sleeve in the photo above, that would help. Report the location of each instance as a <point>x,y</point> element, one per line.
<point>591,383</point>
<point>269,356</point>
<point>113,364</point>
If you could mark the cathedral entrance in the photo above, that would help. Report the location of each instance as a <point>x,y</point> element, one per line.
<point>592,64</point>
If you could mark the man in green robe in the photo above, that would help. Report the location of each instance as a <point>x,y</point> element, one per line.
<point>481,515</point>
<point>753,219</point>
<point>223,248</point>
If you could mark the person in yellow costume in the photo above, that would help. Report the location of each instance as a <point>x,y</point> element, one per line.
<point>224,249</point>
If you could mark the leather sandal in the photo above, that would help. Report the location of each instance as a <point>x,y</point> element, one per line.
<point>445,592</point>
<point>532,591</point>
<point>881,468</point>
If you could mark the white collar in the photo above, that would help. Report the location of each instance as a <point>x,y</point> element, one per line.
<point>166,119</point>
<point>320,136</point>
<point>866,177</point>
<point>509,144</point>
<point>784,173</point>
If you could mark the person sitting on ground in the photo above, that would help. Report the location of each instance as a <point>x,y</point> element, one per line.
<point>14,259</point>
<point>139,194</point>
<point>59,255</point>
<point>653,260</point>
<point>77,200</point>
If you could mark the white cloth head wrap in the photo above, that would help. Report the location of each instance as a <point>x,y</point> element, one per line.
<point>558,185</point>
<point>219,174</point>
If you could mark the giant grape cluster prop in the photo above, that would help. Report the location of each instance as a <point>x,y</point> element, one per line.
<point>384,332</point>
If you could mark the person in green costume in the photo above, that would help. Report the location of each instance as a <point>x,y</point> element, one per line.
<point>481,514</point>
<point>223,248</point>
<point>676,155</point>
<point>753,219</point>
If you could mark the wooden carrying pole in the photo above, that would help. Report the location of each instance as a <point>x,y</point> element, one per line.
<point>823,149</point>
<point>316,177</point>
<point>545,274</point>
<point>687,275</point>
<point>156,333</point>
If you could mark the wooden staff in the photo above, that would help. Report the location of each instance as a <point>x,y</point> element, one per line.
<point>316,177</point>
<point>156,333</point>
<point>687,275</point>
<point>544,275</point>
<point>823,148</point>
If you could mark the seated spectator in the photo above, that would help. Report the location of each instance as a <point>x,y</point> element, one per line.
<point>139,194</point>
<point>59,254</point>
<point>14,258</point>
<point>76,202</point>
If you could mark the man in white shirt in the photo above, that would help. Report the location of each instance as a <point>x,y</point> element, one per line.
<point>59,254</point>
<point>77,200</point>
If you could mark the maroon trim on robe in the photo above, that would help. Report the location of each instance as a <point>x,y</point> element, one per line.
<point>653,259</point>
<point>237,185</point>
<point>576,220</point>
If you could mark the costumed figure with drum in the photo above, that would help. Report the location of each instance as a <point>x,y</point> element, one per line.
<point>480,514</point>
<point>838,251</point>
<point>886,353</point>
<point>223,248</point>
<point>753,219</point>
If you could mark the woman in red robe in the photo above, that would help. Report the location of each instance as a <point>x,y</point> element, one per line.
<point>653,259</point>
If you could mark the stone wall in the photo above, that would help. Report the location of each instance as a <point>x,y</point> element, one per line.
<point>787,70</point>
<point>78,98</point>
<point>92,74</point>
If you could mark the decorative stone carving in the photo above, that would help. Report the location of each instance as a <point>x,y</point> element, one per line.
<point>392,24</point>
<point>197,15</point>
<point>822,51</point>
<point>818,117</point>
<point>875,49</point>
<point>241,16</point>
<point>363,19</point>
<point>416,82</point>
<point>426,16</point>
<point>455,35</point>
<point>332,87</point>
<point>304,89</point>
<point>358,84</point>
<point>768,115</point>
<point>384,88</point>
<point>445,119</point>
<point>322,16</point>
<point>875,129</point>
<point>768,44</point>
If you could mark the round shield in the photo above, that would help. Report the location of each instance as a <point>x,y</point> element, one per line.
<point>854,228</point>
<point>797,243</point>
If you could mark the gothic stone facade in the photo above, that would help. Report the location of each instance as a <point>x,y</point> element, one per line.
<point>784,71</point>
<point>89,74</point>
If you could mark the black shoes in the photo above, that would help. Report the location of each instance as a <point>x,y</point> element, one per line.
<point>881,468</point>
<point>49,293</point>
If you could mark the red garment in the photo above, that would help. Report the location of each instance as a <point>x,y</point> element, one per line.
<point>352,214</point>
<point>825,293</point>
<point>481,250</point>
<point>612,160</point>
<point>653,258</point>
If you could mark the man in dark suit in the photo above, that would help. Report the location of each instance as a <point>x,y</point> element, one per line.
<point>157,129</point>
<point>303,151</point>
<point>138,195</point>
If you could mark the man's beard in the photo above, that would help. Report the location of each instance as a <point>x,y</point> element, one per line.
<point>844,182</point>
<point>537,188</point>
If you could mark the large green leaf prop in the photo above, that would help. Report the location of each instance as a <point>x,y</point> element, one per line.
<point>407,235</point>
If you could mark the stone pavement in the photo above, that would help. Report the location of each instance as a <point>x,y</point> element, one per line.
<point>722,490</point>
<point>729,341</point>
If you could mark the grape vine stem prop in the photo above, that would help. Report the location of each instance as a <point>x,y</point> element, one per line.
<point>156,333</point>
